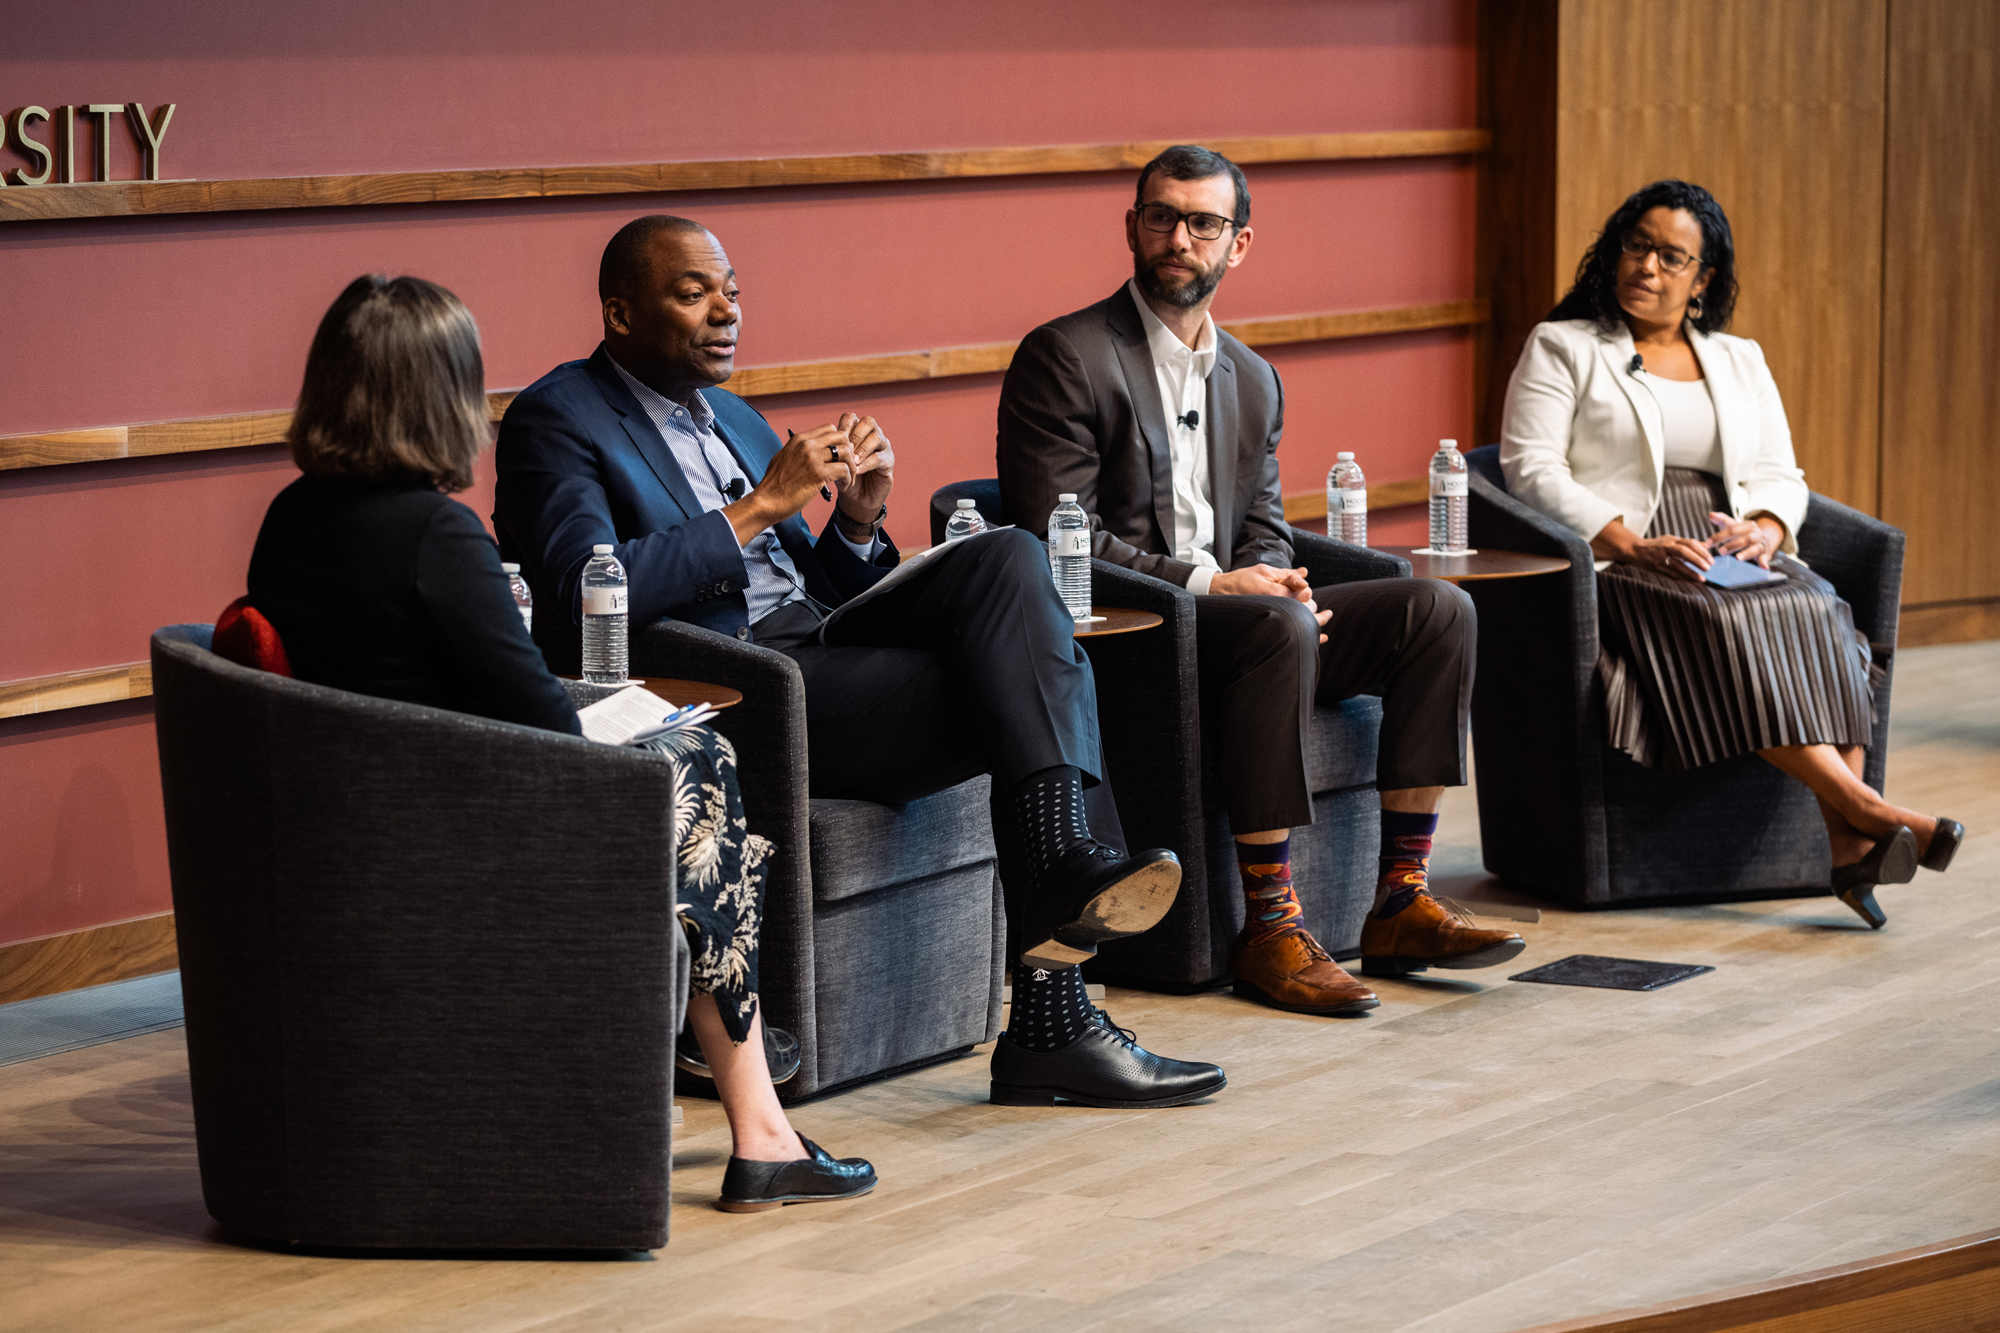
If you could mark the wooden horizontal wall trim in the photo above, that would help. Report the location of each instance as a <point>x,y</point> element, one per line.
<point>1310,505</point>
<point>74,689</point>
<point>1946,1286</point>
<point>91,957</point>
<point>102,443</point>
<point>130,198</point>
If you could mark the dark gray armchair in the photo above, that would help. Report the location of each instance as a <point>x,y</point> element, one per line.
<point>1561,812</point>
<point>884,926</point>
<point>1168,795</point>
<point>430,963</point>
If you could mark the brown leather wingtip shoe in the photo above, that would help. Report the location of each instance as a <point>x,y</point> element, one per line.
<point>1427,934</point>
<point>1290,971</point>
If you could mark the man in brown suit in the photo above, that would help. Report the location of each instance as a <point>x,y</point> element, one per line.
<point>1166,429</point>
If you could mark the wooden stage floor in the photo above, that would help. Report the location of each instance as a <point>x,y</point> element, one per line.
<point>1476,1155</point>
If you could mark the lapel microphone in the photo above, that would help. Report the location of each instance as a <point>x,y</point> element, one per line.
<point>1638,364</point>
<point>734,490</point>
<point>1188,419</point>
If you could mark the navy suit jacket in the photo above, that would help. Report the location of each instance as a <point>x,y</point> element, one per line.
<point>581,463</point>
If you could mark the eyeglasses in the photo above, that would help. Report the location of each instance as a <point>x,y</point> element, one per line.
<point>1201,226</point>
<point>1673,259</point>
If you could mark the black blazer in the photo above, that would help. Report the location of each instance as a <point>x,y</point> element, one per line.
<point>581,463</point>
<point>399,594</point>
<point>1080,411</point>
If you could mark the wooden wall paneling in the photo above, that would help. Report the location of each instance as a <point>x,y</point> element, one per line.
<point>1777,108</point>
<point>124,198</point>
<point>88,958</point>
<point>75,689</point>
<point>1941,290</point>
<point>1517,190</point>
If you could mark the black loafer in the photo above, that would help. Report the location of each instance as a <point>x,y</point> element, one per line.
<point>1097,893</point>
<point>1103,1067</point>
<point>758,1187</point>
<point>1944,844</point>
<point>781,1053</point>
<point>1893,860</point>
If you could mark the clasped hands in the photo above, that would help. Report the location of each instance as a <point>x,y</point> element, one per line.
<point>1269,581</point>
<point>851,457</point>
<point>1753,540</point>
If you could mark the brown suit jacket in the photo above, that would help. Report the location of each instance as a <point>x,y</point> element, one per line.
<point>1080,411</point>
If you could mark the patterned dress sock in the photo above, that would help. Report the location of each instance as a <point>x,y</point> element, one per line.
<point>1270,905</point>
<point>1406,860</point>
<point>1049,805</point>
<point>1051,1009</point>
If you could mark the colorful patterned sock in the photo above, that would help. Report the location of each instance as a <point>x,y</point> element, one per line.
<point>1270,905</point>
<point>1406,860</point>
<point>1050,807</point>
<point>1050,1009</point>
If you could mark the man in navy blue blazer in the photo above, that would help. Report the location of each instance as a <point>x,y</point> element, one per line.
<point>969,666</point>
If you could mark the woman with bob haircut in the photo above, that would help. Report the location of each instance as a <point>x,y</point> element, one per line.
<point>377,582</point>
<point>1634,420</point>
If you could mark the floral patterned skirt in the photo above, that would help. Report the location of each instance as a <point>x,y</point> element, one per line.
<point>721,873</point>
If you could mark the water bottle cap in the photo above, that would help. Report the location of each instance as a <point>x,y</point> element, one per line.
<point>1343,458</point>
<point>1066,498</point>
<point>1447,444</point>
<point>968,504</point>
<point>509,568</point>
<point>602,548</point>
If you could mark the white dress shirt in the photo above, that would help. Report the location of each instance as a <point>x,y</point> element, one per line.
<point>1687,423</point>
<point>771,580</point>
<point>1182,373</point>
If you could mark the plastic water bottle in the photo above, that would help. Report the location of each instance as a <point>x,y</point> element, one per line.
<point>1347,501</point>
<point>1069,555</point>
<point>964,521</point>
<point>1448,488</point>
<point>524,601</point>
<point>604,660</point>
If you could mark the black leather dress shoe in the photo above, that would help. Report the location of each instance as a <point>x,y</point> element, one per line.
<point>757,1187</point>
<point>1944,844</point>
<point>1096,893</point>
<point>1103,1067</point>
<point>1893,860</point>
<point>781,1053</point>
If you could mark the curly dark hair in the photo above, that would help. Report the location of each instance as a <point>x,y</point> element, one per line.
<point>1594,294</point>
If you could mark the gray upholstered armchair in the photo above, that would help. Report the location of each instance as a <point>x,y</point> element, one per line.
<point>1168,795</point>
<point>884,926</point>
<point>1564,814</point>
<point>430,963</point>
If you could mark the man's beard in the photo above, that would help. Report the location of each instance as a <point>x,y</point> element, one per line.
<point>1189,294</point>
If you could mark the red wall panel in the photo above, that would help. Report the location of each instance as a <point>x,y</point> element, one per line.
<point>112,321</point>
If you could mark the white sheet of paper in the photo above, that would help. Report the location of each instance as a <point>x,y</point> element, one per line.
<point>911,564</point>
<point>615,720</point>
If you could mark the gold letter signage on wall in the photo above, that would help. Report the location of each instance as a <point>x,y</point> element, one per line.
<point>57,158</point>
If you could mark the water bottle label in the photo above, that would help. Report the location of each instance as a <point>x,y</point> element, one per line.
<point>604,601</point>
<point>1447,484</point>
<point>1354,501</point>
<point>1070,543</point>
<point>527,617</point>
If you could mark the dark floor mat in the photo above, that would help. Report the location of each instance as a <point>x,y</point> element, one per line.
<point>1587,969</point>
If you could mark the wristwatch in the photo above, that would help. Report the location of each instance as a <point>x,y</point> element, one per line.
<point>846,521</point>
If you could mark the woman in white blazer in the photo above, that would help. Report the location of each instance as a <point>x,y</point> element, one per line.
<point>1634,420</point>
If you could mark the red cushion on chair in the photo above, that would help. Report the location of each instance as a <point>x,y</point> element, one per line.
<point>244,637</point>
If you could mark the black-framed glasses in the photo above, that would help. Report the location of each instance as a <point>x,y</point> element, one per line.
<point>1673,259</point>
<point>1201,226</point>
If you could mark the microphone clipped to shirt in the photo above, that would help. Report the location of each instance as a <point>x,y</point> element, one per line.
<point>1638,364</point>
<point>735,490</point>
<point>1188,419</point>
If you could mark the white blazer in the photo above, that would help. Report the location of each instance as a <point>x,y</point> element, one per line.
<point>1582,438</point>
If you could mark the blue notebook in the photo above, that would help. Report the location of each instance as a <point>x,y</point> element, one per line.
<point>1729,572</point>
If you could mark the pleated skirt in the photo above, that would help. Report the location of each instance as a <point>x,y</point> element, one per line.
<point>1695,674</point>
